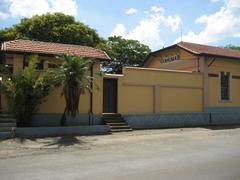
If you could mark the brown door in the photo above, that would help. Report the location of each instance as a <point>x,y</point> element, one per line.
<point>109,95</point>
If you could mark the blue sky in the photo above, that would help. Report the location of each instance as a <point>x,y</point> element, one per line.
<point>156,23</point>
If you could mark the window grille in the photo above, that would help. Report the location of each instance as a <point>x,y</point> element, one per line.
<point>225,93</point>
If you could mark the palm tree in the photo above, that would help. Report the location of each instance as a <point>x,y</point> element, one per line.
<point>75,82</point>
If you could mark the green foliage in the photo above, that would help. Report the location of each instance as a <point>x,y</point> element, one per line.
<point>233,47</point>
<point>26,91</point>
<point>55,27</point>
<point>123,52</point>
<point>75,82</point>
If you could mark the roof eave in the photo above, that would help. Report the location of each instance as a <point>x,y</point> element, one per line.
<point>49,54</point>
<point>188,50</point>
<point>220,56</point>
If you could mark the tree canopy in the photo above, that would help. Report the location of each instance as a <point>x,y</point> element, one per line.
<point>123,52</point>
<point>233,47</point>
<point>61,28</point>
<point>56,27</point>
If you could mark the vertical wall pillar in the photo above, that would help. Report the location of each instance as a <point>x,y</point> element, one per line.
<point>204,71</point>
<point>17,64</point>
<point>157,98</point>
<point>97,90</point>
<point>45,65</point>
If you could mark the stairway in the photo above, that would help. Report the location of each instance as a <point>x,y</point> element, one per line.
<point>7,125</point>
<point>116,122</point>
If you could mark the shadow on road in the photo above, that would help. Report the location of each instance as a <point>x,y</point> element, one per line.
<point>66,141</point>
<point>60,141</point>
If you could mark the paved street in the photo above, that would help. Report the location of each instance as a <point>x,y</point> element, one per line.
<point>191,153</point>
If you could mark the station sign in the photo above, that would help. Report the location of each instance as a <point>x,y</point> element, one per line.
<point>170,59</point>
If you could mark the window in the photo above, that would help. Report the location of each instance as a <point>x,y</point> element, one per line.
<point>9,67</point>
<point>40,65</point>
<point>9,63</point>
<point>225,90</point>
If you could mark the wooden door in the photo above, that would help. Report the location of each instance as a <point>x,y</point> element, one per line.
<point>109,95</point>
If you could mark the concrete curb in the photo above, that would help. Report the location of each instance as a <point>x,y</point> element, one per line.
<point>6,135</point>
<point>37,132</point>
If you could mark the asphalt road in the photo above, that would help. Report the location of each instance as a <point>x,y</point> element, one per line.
<point>141,155</point>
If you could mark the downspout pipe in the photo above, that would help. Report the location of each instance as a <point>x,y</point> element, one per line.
<point>91,98</point>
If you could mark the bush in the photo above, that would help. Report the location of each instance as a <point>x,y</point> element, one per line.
<point>26,91</point>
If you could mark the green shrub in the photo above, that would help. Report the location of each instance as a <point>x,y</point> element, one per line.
<point>24,92</point>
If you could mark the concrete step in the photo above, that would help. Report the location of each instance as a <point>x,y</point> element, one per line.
<point>120,127</point>
<point>114,121</point>
<point>7,124</point>
<point>112,118</point>
<point>110,115</point>
<point>6,116</point>
<point>6,129</point>
<point>120,130</point>
<point>6,135</point>
<point>6,120</point>
<point>117,124</point>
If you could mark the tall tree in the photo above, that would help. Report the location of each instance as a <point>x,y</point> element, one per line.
<point>55,27</point>
<point>76,81</point>
<point>123,52</point>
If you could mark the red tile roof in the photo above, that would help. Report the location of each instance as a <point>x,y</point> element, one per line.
<point>39,47</point>
<point>209,50</point>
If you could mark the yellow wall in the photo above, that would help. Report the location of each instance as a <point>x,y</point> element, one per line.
<point>98,89</point>
<point>180,100</point>
<point>225,65</point>
<point>142,90</point>
<point>55,103</point>
<point>135,99</point>
<point>187,60</point>
<point>17,64</point>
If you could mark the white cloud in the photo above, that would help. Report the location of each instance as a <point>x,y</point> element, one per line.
<point>157,9</point>
<point>3,15</point>
<point>215,1</point>
<point>148,29</point>
<point>173,22</point>
<point>28,8</point>
<point>64,6</point>
<point>131,11</point>
<point>225,23</point>
<point>146,12</point>
<point>119,30</point>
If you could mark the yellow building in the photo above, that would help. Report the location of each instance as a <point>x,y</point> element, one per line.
<point>185,84</point>
<point>220,68</point>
